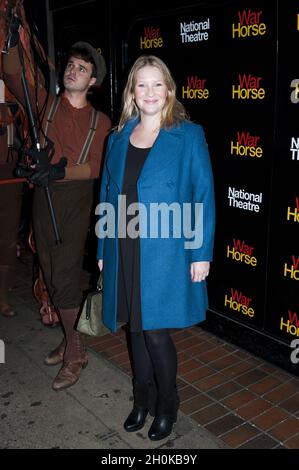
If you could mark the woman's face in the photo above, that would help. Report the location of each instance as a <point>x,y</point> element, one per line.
<point>150,91</point>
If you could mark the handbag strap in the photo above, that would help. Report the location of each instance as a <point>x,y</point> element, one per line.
<point>100,282</point>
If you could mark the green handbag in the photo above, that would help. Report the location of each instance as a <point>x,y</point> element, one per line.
<point>90,320</point>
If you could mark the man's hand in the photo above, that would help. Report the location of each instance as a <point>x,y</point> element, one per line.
<point>40,158</point>
<point>49,172</point>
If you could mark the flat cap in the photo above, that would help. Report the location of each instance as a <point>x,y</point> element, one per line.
<point>99,60</point>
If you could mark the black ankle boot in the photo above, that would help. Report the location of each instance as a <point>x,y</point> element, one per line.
<point>136,419</point>
<point>144,403</point>
<point>165,418</point>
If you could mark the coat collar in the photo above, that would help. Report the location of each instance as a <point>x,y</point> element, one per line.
<point>166,149</point>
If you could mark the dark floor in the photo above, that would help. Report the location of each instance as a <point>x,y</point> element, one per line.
<point>240,398</point>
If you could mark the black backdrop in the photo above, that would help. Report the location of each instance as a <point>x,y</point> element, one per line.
<point>237,84</point>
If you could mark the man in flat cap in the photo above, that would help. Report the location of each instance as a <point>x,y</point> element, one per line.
<point>78,133</point>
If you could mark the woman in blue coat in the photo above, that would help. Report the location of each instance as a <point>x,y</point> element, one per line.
<point>156,231</point>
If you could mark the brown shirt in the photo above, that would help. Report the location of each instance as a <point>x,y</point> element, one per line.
<point>69,130</point>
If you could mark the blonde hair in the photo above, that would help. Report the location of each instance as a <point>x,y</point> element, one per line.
<point>173,112</point>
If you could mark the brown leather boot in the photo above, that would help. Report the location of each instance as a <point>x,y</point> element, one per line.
<point>68,375</point>
<point>56,356</point>
<point>5,307</point>
<point>75,357</point>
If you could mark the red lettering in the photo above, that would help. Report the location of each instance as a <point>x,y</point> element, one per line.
<point>240,298</point>
<point>243,248</point>
<point>293,318</point>
<point>244,17</point>
<point>192,81</point>
<point>196,83</point>
<point>234,294</point>
<point>297,203</point>
<point>295,262</point>
<point>248,81</point>
<point>151,33</point>
<point>250,17</point>
<point>247,139</point>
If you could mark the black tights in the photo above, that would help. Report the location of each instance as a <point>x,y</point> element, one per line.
<point>154,357</point>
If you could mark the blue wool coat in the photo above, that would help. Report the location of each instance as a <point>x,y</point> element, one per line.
<point>177,170</point>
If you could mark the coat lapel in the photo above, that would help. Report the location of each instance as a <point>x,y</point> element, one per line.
<point>117,156</point>
<point>164,152</point>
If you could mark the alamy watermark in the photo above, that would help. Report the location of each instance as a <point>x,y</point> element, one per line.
<point>295,354</point>
<point>155,220</point>
<point>2,352</point>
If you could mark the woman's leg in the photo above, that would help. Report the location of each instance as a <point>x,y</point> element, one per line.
<point>143,385</point>
<point>164,358</point>
<point>142,363</point>
<point>163,355</point>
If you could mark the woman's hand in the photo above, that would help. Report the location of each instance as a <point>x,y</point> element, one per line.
<point>199,270</point>
<point>100,264</point>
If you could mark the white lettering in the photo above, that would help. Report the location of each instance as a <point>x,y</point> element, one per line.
<point>194,31</point>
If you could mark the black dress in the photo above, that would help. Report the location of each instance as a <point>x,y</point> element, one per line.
<point>129,300</point>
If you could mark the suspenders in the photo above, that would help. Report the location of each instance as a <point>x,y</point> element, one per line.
<point>51,115</point>
<point>89,138</point>
<point>10,135</point>
<point>93,127</point>
<point>10,129</point>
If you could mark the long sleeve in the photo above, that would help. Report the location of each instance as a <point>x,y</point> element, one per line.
<point>203,193</point>
<point>103,196</point>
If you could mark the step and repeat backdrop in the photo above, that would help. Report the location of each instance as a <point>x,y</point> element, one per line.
<point>237,73</point>
<point>282,307</point>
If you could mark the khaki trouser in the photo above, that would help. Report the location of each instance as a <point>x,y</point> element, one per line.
<point>62,263</point>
